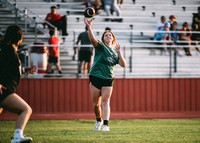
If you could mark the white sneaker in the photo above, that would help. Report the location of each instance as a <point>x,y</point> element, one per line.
<point>105,128</point>
<point>21,140</point>
<point>97,126</point>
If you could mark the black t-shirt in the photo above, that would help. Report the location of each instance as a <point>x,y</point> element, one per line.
<point>10,67</point>
<point>84,38</point>
<point>195,15</point>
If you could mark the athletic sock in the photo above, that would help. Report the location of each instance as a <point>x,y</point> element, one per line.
<point>18,133</point>
<point>98,119</point>
<point>105,122</point>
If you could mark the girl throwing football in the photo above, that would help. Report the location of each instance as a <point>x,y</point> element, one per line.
<point>101,74</point>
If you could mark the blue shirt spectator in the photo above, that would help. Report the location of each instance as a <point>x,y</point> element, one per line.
<point>160,35</point>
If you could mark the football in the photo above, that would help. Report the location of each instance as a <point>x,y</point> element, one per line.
<point>89,12</point>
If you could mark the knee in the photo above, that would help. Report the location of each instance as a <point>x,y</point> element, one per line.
<point>29,110</point>
<point>107,7</point>
<point>105,102</point>
<point>25,110</point>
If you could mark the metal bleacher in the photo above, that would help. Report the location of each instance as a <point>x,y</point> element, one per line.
<point>134,33</point>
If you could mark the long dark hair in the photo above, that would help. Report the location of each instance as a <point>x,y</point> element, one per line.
<point>13,35</point>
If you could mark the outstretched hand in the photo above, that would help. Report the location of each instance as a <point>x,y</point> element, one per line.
<point>88,22</point>
<point>117,47</point>
<point>122,61</point>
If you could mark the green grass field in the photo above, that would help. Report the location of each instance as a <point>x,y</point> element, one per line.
<point>144,130</point>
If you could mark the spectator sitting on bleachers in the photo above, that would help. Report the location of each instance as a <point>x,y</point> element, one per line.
<point>164,36</point>
<point>172,19</point>
<point>196,19</point>
<point>57,20</point>
<point>186,37</point>
<point>160,24</point>
<point>96,4</point>
<point>111,6</point>
<point>195,36</point>
<point>175,36</point>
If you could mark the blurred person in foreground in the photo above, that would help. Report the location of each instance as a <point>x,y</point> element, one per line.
<point>10,73</point>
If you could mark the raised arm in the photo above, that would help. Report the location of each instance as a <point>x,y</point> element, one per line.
<point>122,61</point>
<point>93,41</point>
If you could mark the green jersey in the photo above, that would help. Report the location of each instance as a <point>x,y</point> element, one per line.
<point>105,60</point>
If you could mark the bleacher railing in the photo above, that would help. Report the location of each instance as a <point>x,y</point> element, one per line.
<point>28,19</point>
<point>133,60</point>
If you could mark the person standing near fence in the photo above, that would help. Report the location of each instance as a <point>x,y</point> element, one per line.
<point>84,53</point>
<point>101,74</point>
<point>10,72</point>
<point>53,52</point>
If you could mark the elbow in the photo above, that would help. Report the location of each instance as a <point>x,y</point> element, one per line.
<point>123,64</point>
<point>94,42</point>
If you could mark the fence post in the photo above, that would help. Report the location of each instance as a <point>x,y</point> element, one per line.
<point>170,62</point>
<point>36,31</point>
<point>35,28</point>
<point>131,36</point>
<point>124,58</point>
<point>16,15</point>
<point>26,57</point>
<point>16,12</point>
<point>130,61</point>
<point>26,13</point>
<point>131,41</point>
<point>175,60</point>
<point>74,41</point>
